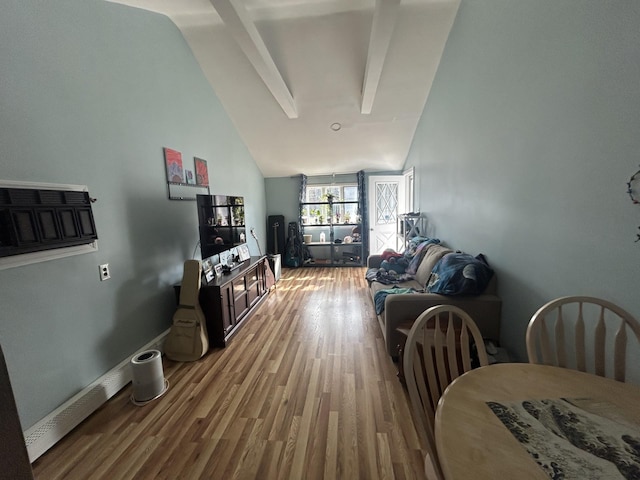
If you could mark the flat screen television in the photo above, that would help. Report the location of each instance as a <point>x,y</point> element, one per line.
<point>221,223</point>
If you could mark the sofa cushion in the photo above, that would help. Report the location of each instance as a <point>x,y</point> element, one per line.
<point>460,274</point>
<point>415,253</point>
<point>432,255</point>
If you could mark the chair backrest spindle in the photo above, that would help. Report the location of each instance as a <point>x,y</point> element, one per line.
<point>581,358</point>
<point>454,370</point>
<point>559,335</point>
<point>598,346</point>
<point>439,346</point>
<point>620,353</point>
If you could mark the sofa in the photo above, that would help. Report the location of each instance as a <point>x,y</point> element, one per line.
<point>401,310</point>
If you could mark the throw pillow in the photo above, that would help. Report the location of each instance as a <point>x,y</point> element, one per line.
<point>432,255</point>
<point>397,265</point>
<point>415,254</point>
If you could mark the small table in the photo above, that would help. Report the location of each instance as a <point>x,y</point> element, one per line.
<point>473,442</point>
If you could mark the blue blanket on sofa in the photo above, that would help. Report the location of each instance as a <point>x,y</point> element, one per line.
<point>460,274</point>
<point>381,295</point>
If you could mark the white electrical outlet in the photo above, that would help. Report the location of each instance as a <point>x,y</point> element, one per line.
<point>104,272</point>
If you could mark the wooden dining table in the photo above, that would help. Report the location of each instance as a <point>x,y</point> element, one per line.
<point>526,421</point>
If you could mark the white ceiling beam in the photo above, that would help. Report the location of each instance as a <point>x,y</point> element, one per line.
<point>236,18</point>
<point>384,21</point>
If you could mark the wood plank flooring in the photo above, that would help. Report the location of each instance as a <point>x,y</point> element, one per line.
<point>305,390</point>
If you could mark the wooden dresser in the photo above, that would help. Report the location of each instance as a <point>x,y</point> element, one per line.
<point>229,300</point>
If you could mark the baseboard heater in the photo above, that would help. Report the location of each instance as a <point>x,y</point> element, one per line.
<point>52,428</point>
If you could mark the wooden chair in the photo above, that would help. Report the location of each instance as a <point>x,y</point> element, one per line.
<point>598,328</point>
<point>438,350</point>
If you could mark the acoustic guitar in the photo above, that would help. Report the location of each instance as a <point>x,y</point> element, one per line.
<point>188,340</point>
<point>269,277</point>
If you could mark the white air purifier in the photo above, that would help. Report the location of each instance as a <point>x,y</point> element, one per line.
<point>147,377</point>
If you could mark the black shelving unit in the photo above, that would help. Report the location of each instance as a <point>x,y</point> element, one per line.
<point>324,223</point>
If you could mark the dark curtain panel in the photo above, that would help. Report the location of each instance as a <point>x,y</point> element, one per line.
<point>364,217</point>
<point>306,255</point>
<point>302,196</point>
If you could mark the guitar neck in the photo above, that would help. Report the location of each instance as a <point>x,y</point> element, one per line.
<point>275,237</point>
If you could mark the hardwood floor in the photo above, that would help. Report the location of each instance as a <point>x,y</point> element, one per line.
<point>305,390</point>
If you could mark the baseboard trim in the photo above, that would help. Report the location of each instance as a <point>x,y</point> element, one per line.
<point>52,428</point>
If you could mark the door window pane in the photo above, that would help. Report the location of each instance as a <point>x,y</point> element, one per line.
<point>386,203</point>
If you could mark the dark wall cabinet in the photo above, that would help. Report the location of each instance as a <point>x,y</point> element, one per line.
<point>32,220</point>
<point>229,300</point>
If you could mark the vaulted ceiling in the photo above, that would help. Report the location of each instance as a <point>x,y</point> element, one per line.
<point>317,86</point>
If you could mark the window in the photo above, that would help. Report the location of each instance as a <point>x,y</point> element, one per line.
<point>317,211</point>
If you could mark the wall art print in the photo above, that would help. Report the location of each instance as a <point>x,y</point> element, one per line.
<point>202,174</point>
<point>173,163</point>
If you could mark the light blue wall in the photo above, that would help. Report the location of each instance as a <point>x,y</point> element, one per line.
<point>283,198</point>
<point>90,92</point>
<point>527,140</point>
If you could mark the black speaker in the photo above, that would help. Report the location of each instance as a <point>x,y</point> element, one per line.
<point>275,234</point>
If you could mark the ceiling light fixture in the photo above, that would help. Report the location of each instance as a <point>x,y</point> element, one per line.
<point>335,126</point>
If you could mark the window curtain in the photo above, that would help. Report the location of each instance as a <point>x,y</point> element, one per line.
<point>364,216</point>
<point>302,196</point>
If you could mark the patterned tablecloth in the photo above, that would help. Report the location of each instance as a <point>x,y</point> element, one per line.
<point>576,438</point>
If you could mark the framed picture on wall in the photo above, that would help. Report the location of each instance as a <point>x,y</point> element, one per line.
<point>188,176</point>
<point>202,174</point>
<point>173,163</point>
